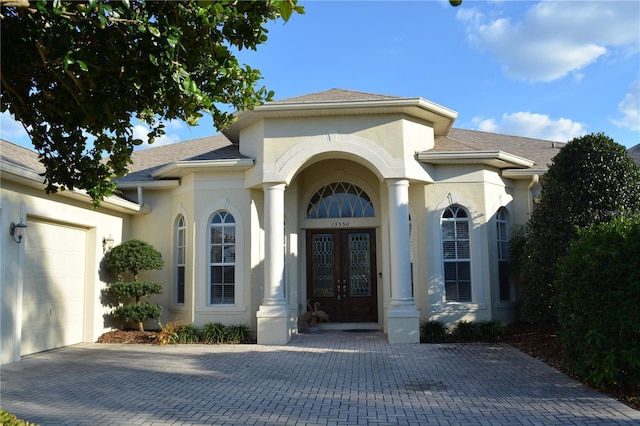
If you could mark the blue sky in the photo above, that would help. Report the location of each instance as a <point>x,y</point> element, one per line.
<point>541,69</point>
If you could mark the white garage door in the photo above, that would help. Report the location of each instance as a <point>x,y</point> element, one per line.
<point>54,287</point>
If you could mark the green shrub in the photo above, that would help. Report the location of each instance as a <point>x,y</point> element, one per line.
<point>465,331</point>
<point>213,332</point>
<point>135,289</point>
<point>137,312</point>
<point>133,256</point>
<point>491,331</point>
<point>130,258</point>
<point>7,419</point>
<point>176,332</point>
<point>238,333</point>
<point>168,333</point>
<point>432,332</point>
<point>599,304</point>
<point>592,179</point>
<point>187,333</point>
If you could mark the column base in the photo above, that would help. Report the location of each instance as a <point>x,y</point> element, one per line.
<point>403,324</point>
<point>273,325</point>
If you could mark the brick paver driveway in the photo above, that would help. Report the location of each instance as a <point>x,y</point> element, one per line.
<point>331,378</point>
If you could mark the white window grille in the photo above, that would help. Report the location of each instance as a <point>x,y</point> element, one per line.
<point>222,259</point>
<point>180,254</point>
<point>456,248</point>
<point>340,199</point>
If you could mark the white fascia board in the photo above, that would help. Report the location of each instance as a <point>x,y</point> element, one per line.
<point>499,159</point>
<point>33,179</point>
<point>183,168</point>
<point>440,117</point>
<point>523,174</point>
<point>150,184</point>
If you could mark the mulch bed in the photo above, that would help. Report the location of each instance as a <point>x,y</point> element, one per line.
<point>128,336</point>
<point>535,341</point>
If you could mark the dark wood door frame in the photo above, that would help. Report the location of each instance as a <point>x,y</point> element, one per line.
<point>342,273</point>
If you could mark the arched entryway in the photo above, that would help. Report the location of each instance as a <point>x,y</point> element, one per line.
<point>341,254</point>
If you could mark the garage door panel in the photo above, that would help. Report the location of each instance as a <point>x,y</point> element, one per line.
<point>53,287</point>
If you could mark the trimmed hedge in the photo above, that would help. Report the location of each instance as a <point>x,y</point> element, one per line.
<point>599,304</point>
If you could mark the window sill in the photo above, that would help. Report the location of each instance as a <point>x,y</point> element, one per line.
<point>221,308</point>
<point>458,307</point>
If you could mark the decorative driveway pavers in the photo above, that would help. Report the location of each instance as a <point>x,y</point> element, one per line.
<point>330,378</point>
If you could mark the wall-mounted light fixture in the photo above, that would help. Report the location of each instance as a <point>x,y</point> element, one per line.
<point>107,244</point>
<point>18,231</point>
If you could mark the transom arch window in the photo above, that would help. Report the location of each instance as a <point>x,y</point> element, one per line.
<point>340,199</point>
<point>502,241</point>
<point>222,259</point>
<point>456,249</point>
<point>180,259</point>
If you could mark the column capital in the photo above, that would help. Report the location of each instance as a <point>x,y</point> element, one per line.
<point>273,185</point>
<point>397,182</point>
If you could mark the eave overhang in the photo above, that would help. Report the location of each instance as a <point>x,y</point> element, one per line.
<point>180,169</point>
<point>441,118</point>
<point>33,179</point>
<point>523,174</point>
<point>497,159</point>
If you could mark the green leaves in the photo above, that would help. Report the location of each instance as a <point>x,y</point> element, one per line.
<point>592,180</point>
<point>599,303</point>
<point>134,256</point>
<point>86,69</point>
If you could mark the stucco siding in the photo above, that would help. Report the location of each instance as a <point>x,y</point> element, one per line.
<point>20,201</point>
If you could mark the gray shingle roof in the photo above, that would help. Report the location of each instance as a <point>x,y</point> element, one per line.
<point>20,156</point>
<point>146,161</point>
<point>336,95</point>
<point>541,152</point>
<point>634,152</point>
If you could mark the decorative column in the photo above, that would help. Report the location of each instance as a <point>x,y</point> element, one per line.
<point>273,324</point>
<point>403,316</point>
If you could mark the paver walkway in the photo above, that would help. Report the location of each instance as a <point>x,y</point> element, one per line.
<point>330,378</point>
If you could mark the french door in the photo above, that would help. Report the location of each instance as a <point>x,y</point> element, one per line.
<point>341,273</point>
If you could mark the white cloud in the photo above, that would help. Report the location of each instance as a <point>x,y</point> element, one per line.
<point>537,126</point>
<point>629,107</point>
<point>553,38</point>
<point>140,131</point>
<point>11,130</point>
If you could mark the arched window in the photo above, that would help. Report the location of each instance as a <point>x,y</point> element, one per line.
<point>502,240</point>
<point>180,259</point>
<point>340,199</point>
<point>222,259</point>
<point>456,248</point>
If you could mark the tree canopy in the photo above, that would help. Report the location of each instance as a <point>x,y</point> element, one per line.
<point>75,74</point>
<point>590,181</point>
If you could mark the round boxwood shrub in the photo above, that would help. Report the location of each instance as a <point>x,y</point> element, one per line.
<point>599,304</point>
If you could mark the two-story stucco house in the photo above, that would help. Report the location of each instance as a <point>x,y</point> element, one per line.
<point>373,206</point>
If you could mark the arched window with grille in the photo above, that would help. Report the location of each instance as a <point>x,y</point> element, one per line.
<point>456,249</point>
<point>340,199</point>
<point>502,241</point>
<point>222,259</point>
<point>180,246</point>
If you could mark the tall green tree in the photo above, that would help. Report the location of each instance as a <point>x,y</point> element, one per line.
<point>590,181</point>
<point>75,74</point>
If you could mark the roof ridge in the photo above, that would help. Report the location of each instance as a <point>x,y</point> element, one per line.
<point>336,94</point>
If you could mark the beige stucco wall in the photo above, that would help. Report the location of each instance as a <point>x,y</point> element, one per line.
<point>481,191</point>
<point>386,144</point>
<point>17,201</point>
